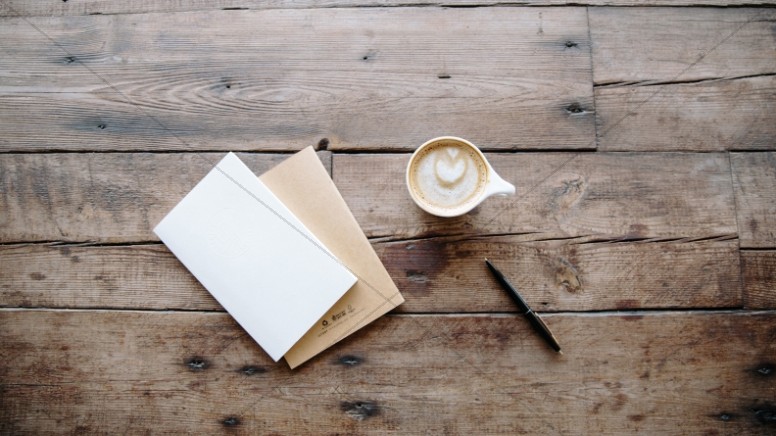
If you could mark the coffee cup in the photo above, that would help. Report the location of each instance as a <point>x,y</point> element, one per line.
<point>449,176</point>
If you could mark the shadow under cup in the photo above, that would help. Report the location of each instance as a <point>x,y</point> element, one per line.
<point>447,176</point>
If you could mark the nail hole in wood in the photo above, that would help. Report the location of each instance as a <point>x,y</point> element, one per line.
<point>231,421</point>
<point>360,410</point>
<point>197,364</point>
<point>575,108</point>
<point>369,55</point>
<point>766,369</point>
<point>252,370</point>
<point>350,360</point>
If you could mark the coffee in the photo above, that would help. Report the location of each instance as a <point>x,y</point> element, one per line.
<point>447,174</point>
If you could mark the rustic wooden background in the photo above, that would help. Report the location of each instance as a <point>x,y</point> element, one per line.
<point>641,138</point>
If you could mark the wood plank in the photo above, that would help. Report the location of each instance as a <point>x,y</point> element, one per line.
<point>511,78</point>
<point>725,114</point>
<point>111,372</point>
<point>436,275</point>
<point>559,195</point>
<point>680,44</point>
<point>117,197</point>
<point>754,182</point>
<point>93,7</point>
<point>758,270</point>
<point>439,275</point>
<point>102,197</point>
<point>117,277</point>
<point>647,56</point>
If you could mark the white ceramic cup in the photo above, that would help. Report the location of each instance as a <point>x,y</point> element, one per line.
<point>449,176</point>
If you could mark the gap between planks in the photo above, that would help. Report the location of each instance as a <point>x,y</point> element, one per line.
<point>31,8</point>
<point>586,313</point>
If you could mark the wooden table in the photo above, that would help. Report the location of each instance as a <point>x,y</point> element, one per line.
<point>642,141</point>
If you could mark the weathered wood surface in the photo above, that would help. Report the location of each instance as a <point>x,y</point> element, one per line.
<point>102,330</point>
<point>505,78</point>
<point>93,7</point>
<point>118,277</point>
<point>754,181</point>
<point>758,270</point>
<point>724,114</point>
<point>117,372</point>
<point>102,197</point>
<point>438,275</point>
<point>120,197</point>
<point>680,44</point>
<point>645,57</point>
<point>559,195</point>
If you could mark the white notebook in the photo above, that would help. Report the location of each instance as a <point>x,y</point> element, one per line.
<point>256,258</point>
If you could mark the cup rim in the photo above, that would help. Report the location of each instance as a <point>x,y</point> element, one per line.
<point>445,212</point>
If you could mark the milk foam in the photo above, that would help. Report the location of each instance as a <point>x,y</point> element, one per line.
<point>447,174</point>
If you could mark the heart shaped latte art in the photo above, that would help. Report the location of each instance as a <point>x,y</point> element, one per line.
<point>450,166</point>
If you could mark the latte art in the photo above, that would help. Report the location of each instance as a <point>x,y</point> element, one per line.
<point>447,175</point>
<point>449,166</point>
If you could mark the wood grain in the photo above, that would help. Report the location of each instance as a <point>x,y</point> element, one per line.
<point>101,197</point>
<point>647,56</point>
<point>661,264</point>
<point>758,269</point>
<point>110,372</point>
<point>706,116</point>
<point>505,78</point>
<point>754,182</point>
<point>442,275</point>
<point>92,7</point>
<point>680,44</point>
<point>119,197</point>
<point>559,195</point>
<point>110,277</point>
<point>437,275</point>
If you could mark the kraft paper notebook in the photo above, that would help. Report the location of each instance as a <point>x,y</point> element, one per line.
<point>257,259</point>
<point>305,187</point>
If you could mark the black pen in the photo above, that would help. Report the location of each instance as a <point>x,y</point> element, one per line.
<point>536,322</point>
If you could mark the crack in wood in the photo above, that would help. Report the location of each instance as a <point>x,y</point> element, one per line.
<point>461,237</point>
<point>628,83</point>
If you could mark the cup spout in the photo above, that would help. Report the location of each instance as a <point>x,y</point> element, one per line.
<point>499,186</point>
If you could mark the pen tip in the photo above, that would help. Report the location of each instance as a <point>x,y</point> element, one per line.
<point>560,352</point>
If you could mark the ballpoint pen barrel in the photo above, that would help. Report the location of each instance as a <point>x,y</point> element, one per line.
<point>508,286</point>
<point>542,328</point>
